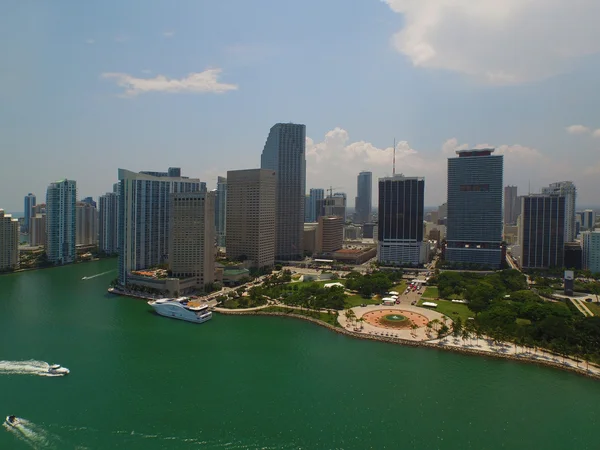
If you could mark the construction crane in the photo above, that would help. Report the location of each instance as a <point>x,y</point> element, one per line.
<point>331,188</point>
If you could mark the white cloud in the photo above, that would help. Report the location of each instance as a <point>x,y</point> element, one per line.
<point>168,34</point>
<point>199,83</point>
<point>498,42</point>
<point>578,129</point>
<point>336,160</point>
<point>90,41</point>
<point>596,133</point>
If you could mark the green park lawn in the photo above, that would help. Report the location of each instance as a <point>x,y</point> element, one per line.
<point>357,300</point>
<point>594,307</point>
<point>327,318</point>
<point>431,292</point>
<point>452,310</point>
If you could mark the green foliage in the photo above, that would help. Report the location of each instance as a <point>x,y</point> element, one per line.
<point>377,282</point>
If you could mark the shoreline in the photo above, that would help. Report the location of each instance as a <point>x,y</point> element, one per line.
<point>422,344</point>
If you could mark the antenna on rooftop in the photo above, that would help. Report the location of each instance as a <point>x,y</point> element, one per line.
<point>394,163</point>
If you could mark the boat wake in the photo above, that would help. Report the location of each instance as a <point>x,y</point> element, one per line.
<point>30,367</point>
<point>33,435</point>
<point>98,275</point>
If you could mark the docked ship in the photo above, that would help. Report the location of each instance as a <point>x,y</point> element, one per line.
<point>182,308</point>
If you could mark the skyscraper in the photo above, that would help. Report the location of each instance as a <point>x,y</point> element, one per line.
<point>315,205</point>
<point>588,219</point>
<point>335,205</point>
<point>591,251</point>
<point>511,205</point>
<point>221,211</point>
<point>28,205</point>
<point>474,220</point>
<point>9,242</point>
<point>144,216</point>
<point>542,231</point>
<point>400,231</point>
<point>330,234</point>
<point>108,223</point>
<point>568,190</point>
<point>306,208</point>
<point>251,216</point>
<point>284,152</point>
<point>192,236</point>
<point>37,230</point>
<point>61,198</point>
<point>87,223</point>
<point>364,195</point>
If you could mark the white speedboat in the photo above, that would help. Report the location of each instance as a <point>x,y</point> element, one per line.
<point>57,369</point>
<point>182,308</point>
<point>12,421</point>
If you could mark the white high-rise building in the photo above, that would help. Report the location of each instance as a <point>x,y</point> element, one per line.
<point>567,190</point>
<point>9,242</point>
<point>87,224</point>
<point>285,153</point>
<point>61,198</point>
<point>192,237</point>
<point>335,205</point>
<point>251,217</point>
<point>108,223</point>
<point>590,241</point>
<point>144,216</point>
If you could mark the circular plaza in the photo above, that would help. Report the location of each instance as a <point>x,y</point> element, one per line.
<point>402,321</point>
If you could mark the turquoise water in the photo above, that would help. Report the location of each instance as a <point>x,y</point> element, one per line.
<point>140,381</point>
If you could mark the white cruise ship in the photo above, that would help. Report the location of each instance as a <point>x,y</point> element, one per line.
<point>182,308</point>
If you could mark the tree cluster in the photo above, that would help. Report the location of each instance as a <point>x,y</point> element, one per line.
<point>378,282</point>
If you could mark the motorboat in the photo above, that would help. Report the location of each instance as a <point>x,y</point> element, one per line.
<point>13,421</point>
<point>182,308</point>
<point>57,369</point>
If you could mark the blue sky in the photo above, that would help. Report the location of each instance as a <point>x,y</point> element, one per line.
<point>87,87</point>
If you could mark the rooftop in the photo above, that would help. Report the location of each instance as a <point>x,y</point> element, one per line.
<point>475,152</point>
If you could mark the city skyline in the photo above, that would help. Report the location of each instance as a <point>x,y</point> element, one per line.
<point>166,84</point>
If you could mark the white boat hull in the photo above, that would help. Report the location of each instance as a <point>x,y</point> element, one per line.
<point>178,310</point>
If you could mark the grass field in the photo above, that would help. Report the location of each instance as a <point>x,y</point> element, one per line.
<point>327,318</point>
<point>452,310</point>
<point>593,307</point>
<point>357,300</point>
<point>431,292</point>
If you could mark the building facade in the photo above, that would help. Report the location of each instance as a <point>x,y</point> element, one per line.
<point>335,205</point>
<point>474,218</point>
<point>542,231</point>
<point>37,230</point>
<point>330,234</point>
<point>315,205</point>
<point>364,196</point>
<point>512,205</point>
<point>221,211</point>
<point>108,223</point>
<point>61,223</point>
<point>9,242</point>
<point>87,223</point>
<point>400,228</point>
<point>590,243</point>
<point>144,217</point>
<point>28,204</point>
<point>251,216</point>
<point>285,153</point>
<point>192,237</point>
<point>567,190</point>
<point>588,220</point>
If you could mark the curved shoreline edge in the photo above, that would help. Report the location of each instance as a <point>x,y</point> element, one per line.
<point>423,344</point>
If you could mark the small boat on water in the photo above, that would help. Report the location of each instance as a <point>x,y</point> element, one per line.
<point>182,308</point>
<point>13,421</point>
<point>57,369</point>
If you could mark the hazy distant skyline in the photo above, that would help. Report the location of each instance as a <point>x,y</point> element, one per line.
<point>87,88</point>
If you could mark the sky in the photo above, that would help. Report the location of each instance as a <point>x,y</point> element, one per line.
<point>88,87</point>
